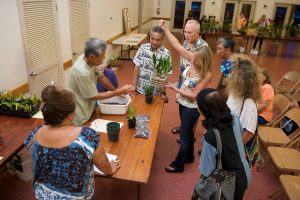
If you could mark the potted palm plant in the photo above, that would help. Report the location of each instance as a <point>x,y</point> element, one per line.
<point>149,89</point>
<point>162,68</point>
<point>131,117</point>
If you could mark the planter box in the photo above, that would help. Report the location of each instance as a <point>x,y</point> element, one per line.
<point>19,113</point>
<point>115,63</point>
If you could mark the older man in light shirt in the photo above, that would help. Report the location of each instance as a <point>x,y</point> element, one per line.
<point>83,80</point>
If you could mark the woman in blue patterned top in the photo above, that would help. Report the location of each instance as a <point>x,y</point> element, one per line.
<point>195,77</point>
<point>63,155</point>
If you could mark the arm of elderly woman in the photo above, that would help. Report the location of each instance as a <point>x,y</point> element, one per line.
<point>101,161</point>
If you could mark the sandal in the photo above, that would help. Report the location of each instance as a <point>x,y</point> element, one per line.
<point>176,130</point>
<point>178,140</point>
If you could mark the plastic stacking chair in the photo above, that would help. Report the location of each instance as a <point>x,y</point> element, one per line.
<point>288,82</point>
<point>272,136</point>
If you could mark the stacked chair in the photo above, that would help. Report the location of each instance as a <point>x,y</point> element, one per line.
<point>291,185</point>
<point>283,152</point>
<point>274,136</point>
<point>288,84</point>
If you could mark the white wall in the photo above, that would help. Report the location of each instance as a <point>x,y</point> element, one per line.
<point>12,57</point>
<point>105,19</point>
<point>63,28</point>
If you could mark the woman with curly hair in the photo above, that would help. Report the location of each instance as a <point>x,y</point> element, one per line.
<point>244,87</point>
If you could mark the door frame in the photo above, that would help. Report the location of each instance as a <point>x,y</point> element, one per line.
<point>237,10</point>
<point>187,8</point>
<point>288,12</point>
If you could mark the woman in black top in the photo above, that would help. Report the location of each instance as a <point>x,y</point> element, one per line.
<point>217,115</point>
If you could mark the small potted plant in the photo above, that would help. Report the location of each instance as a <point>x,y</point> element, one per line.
<point>227,28</point>
<point>15,164</point>
<point>297,31</point>
<point>21,168</point>
<point>115,62</point>
<point>251,28</point>
<point>131,117</point>
<point>149,89</point>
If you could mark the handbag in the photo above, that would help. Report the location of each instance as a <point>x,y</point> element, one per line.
<point>220,184</point>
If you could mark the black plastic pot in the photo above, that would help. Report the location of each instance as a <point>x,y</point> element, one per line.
<point>131,123</point>
<point>149,99</point>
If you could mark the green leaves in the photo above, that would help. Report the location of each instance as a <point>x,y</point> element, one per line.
<point>131,112</point>
<point>149,89</point>
<point>22,103</point>
<point>162,67</point>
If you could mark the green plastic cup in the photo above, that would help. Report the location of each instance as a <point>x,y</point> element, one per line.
<point>113,130</point>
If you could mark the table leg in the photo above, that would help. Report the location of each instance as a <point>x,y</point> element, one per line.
<point>138,191</point>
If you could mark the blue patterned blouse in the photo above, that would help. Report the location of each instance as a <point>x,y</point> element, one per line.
<point>64,173</point>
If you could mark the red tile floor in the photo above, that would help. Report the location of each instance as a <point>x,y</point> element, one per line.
<point>162,185</point>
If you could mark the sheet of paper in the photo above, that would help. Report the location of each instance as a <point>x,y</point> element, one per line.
<point>110,158</point>
<point>100,125</point>
<point>38,115</point>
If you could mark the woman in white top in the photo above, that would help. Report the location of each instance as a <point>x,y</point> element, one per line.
<point>244,86</point>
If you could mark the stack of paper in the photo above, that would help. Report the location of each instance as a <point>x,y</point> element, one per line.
<point>100,125</point>
<point>111,157</point>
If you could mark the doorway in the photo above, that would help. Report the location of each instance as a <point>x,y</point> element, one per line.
<point>181,9</point>
<point>41,41</point>
<point>232,9</point>
<point>282,13</point>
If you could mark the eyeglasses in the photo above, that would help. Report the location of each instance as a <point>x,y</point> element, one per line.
<point>220,50</point>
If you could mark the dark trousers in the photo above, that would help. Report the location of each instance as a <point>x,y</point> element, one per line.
<point>256,40</point>
<point>261,120</point>
<point>188,117</point>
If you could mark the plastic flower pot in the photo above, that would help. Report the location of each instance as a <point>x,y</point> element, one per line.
<point>113,130</point>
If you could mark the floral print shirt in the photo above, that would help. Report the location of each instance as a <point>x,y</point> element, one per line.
<point>185,63</point>
<point>64,173</point>
<point>143,59</point>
